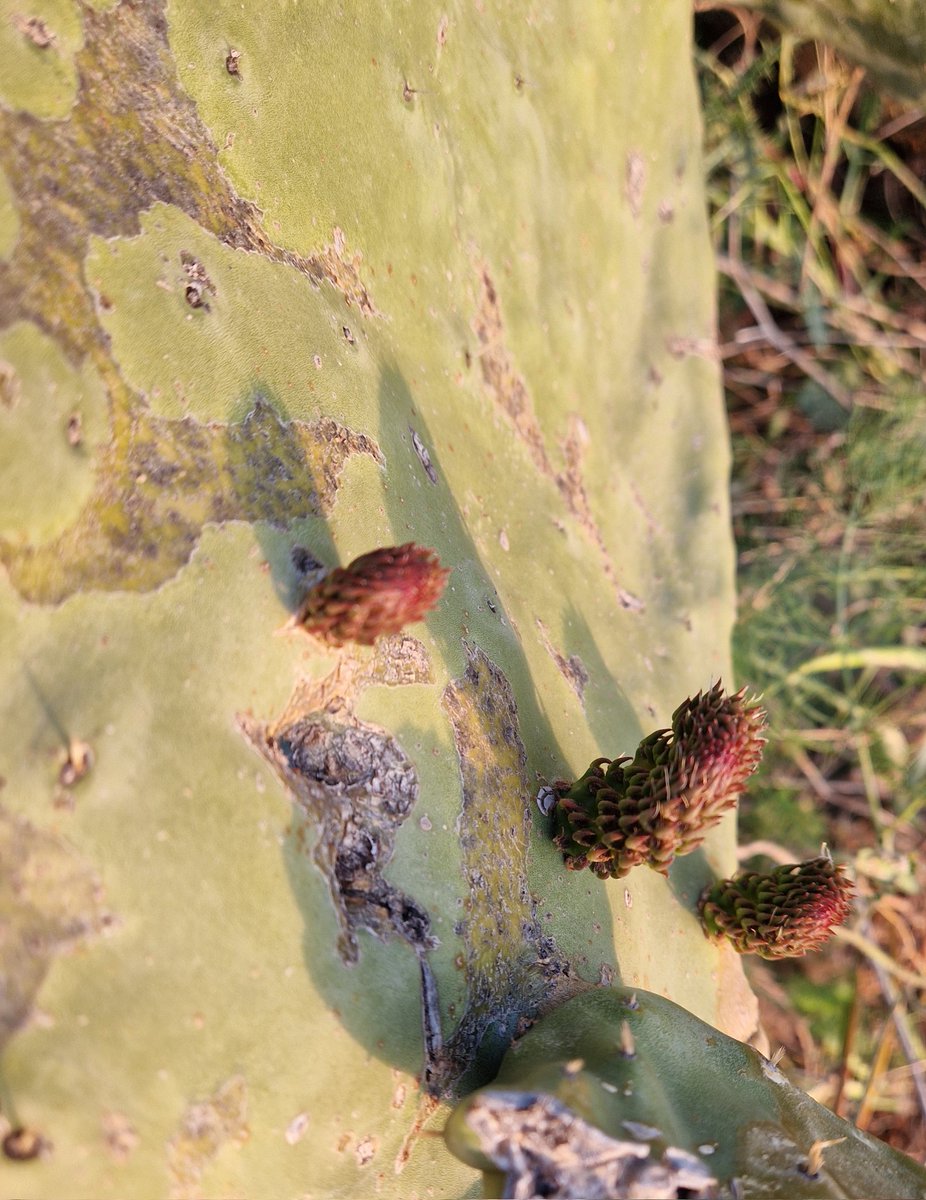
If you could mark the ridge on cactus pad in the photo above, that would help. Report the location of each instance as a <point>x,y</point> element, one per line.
<point>660,804</point>
<point>378,593</point>
<point>784,914</point>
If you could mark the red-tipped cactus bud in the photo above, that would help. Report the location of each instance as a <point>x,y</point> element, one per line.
<point>379,593</point>
<point>661,803</point>
<point>784,914</point>
<point>717,743</point>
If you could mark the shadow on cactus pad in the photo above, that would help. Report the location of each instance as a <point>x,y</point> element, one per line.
<point>621,1093</point>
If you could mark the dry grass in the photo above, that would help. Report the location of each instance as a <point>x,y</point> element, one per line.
<point>819,213</point>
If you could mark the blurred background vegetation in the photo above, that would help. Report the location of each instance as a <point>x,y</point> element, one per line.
<point>817,186</point>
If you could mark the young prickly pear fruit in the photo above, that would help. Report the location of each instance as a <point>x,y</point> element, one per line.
<point>784,914</point>
<point>586,820</point>
<point>661,803</point>
<point>378,593</point>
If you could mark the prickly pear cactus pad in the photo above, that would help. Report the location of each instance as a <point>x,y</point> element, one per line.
<point>663,1106</point>
<point>281,286</point>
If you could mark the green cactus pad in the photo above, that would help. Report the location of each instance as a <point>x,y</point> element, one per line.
<point>621,1088</point>
<point>415,274</point>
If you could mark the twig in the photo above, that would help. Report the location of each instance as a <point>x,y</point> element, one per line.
<point>847,1043</point>
<point>812,774</point>
<point>900,122</point>
<point>891,162</point>
<point>876,955</point>
<point>885,1046</point>
<point>912,1052</point>
<point>869,339</point>
<point>777,337</point>
<point>842,314</point>
<point>823,201</point>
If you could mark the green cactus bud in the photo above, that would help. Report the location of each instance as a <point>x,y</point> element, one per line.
<point>587,819</point>
<point>378,593</point>
<point>661,803</point>
<point>784,914</point>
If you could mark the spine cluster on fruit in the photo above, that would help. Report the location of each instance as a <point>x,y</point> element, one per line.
<point>660,803</point>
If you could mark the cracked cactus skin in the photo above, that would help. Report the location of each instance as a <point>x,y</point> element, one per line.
<point>788,912</point>
<point>411,274</point>
<point>660,803</point>
<point>652,1085</point>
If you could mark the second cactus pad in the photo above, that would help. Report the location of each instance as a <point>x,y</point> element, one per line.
<point>620,1092</point>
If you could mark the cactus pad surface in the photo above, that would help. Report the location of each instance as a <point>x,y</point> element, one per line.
<point>411,273</point>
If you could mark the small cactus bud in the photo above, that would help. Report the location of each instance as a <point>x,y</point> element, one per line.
<point>784,914</point>
<point>662,802</point>
<point>378,593</point>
